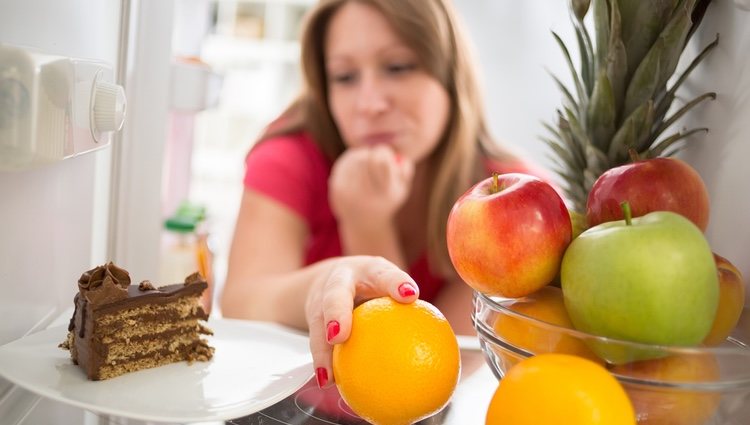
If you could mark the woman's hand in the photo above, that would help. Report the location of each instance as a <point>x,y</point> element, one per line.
<point>368,185</point>
<point>352,280</point>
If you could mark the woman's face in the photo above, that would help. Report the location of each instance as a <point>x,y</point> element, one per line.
<point>377,90</point>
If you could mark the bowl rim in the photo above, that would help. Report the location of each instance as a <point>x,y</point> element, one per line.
<point>740,348</point>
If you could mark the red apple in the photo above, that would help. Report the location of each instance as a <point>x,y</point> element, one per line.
<point>658,184</point>
<point>507,235</point>
<point>731,301</point>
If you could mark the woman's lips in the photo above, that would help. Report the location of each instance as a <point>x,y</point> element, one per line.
<point>379,139</point>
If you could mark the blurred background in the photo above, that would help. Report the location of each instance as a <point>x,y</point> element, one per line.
<point>253,46</point>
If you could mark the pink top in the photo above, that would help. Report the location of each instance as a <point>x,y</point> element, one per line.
<point>292,170</point>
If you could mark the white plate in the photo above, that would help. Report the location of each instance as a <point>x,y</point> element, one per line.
<point>255,365</point>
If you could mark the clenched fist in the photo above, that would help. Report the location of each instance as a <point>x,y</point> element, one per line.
<point>369,184</point>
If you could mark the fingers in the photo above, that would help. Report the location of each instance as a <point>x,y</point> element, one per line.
<point>320,350</point>
<point>405,169</point>
<point>330,321</point>
<point>329,308</point>
<point>389,169</point>
<point>384,278</point>
<point>382,167</point>
<point>338,303</point>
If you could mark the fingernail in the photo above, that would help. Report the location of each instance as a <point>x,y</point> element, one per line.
<point>321,374</point>
<point>332,329</point>
<point>406,289</point>
<point>399,158</point>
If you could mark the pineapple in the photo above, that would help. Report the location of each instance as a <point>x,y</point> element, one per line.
<point>619,107</point>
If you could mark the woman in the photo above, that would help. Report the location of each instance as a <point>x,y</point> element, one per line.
<point>347,194</point>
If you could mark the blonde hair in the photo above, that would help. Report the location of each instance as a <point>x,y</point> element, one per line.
<point>431,30</point>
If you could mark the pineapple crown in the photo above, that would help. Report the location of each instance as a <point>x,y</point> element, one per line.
<point>621,100</point>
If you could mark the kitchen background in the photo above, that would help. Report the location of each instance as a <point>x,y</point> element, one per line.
<point>203,77</point>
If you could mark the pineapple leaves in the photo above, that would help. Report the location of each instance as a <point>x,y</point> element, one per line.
<point>642,23</point>
<point>582,98</point>
<point>680,112</point>
<point>580,8</point>
<point>617,58</point>
<point>587,56</point>
<point>568,97</point>
<point>601,31</point>
<point>666,99</point>
<point>597,161</point>
<point>634,130</point>
<point>561,154</point>
<point>566,136</point>
<point>660,149</point>
<point>660,61</point>
<point>698,11</point>
<point>602,113</point>
<point>576,128</point>
<point>585,48</point>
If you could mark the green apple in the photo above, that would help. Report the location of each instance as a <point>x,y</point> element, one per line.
<point>650,279</point>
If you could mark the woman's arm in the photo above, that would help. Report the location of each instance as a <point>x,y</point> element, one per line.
<point>266,279</point>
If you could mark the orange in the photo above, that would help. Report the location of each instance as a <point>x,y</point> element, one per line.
<point>545,305</point>
<point>400,364</point>
<point>559,389</point>
<point>680,401</point>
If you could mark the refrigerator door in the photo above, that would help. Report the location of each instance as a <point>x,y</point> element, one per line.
<point>54,217</point>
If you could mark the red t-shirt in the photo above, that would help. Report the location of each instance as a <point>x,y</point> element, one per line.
<point>292,170</point>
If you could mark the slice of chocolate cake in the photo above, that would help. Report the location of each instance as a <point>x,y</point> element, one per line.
<point>119,328</point>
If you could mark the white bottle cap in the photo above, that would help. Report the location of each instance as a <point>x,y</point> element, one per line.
<point>108,107</point>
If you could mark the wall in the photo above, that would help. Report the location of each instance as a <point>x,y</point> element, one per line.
<point>516,53</point>
<point>721,156</point>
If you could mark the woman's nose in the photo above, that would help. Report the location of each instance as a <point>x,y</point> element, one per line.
<point>372,97</point>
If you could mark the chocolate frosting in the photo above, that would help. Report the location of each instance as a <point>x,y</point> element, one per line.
<point>146,285</point>
<point>194,278</point>
<point>104,284</point>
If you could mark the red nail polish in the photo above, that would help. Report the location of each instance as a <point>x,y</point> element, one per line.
<point>406,289</point>
<point>321,374</point>
<point>332,330</point>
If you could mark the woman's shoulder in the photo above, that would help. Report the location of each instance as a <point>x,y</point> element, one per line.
<point>291,144</point>
<point>295,151</point>
<point>289,168</point>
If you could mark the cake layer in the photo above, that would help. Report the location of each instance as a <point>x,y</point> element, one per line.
<point>123,352</point>
<point>198,351</point>
<point>177,312</point>
<point>151,330</point>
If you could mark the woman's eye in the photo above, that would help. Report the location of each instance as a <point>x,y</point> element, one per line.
<point>342,77</point>
<point>400,68</point>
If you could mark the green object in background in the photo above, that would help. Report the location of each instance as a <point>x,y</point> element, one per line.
<point>181,223</point>
<point>189,209</point>
<point>186,217</point>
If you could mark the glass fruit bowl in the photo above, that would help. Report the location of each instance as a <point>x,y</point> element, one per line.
<point>677,386</point>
